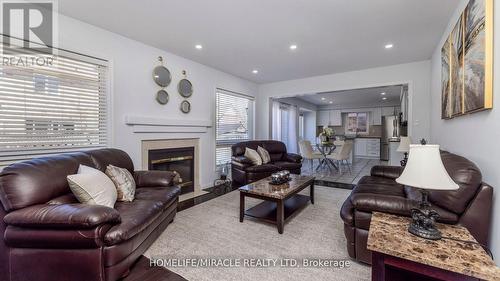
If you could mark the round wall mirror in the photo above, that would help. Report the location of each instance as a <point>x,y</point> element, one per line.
<point>162,97</point>
<point>185,88</point>
<point>162,76</point>
<point>185,106</point>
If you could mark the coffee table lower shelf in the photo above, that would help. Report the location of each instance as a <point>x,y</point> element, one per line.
<point>266,210</point>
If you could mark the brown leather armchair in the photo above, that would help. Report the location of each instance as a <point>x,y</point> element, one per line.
<point>469,206</point>
<point>244,172</point>
<point>48,235</point>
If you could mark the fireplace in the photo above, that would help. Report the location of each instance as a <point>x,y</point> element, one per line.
<point>180,160</point>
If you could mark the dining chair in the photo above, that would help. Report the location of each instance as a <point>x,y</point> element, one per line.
<point>342,153</point>
<point>307,152</point>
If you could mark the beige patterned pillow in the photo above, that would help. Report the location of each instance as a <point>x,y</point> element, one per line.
<point>124,183</point>
<point>253,156</point>
<point>91,186</point>
<point>264,154</point>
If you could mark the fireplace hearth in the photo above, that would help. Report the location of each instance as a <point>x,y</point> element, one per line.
<point>180,160</point>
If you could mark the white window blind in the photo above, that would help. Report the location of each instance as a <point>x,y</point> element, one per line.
<point>54,108</point>
<point>234,119</point>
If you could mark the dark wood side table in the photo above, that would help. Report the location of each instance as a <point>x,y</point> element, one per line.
<point>400,255</point>
<point>280,201</point>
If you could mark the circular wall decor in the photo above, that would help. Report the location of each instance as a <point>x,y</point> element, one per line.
<point>185,106</point>
<point>162,97</point>
<point>185,88</point>
<point>162,76</point>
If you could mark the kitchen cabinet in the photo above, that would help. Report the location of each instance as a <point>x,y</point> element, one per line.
<point>367,148</point>
<point>360,147</point>
<point>377,116</point>
<point>335,118</point>
<point>388,111</point>
<point>323,118</point>
<point>329,118</point>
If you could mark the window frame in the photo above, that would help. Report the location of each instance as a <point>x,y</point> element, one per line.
<point>347,126</point>
<point>9,157</point>
<point>250,121</point>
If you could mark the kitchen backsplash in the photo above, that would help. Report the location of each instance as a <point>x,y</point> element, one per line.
<point>375,130</point>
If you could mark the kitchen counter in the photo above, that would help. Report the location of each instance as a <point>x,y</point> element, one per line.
<point>369,137</point>
<point>362,137</point>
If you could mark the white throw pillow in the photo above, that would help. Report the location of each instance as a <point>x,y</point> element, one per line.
<point>91,186</point>
<point>124,183</point>
<point>253,156</point>
<point>264,154</point>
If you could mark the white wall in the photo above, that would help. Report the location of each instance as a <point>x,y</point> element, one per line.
<point>474,136</point>
<point>134,91</point>
<point>415,74</point>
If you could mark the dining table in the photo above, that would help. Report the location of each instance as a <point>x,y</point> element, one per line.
<point>326,148</point>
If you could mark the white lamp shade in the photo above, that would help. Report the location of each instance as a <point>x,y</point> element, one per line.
<point>404,144</point>
<point>425,169</point>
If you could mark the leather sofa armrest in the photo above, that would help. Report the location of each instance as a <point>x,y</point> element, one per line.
<point>369,202</point>
<point>63,216</point>
<point>401,206</point>
<point>242,160</point>
<point>347,212</point>
<point>391,172</point>
<point>154,178</point>
<point>292,157</point>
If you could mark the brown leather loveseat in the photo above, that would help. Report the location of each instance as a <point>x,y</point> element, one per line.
<point>469,206</point>
<point>244,172</point>
<point>48,235</point>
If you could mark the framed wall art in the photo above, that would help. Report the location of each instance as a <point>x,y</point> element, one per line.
<point>467,62</point>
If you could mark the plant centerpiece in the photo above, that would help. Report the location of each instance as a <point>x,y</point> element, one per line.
<point>326,135</point>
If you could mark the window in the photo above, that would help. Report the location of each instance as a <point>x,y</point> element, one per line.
<point>54,108</point>
<point>357,122</point>
<point>233,124</point>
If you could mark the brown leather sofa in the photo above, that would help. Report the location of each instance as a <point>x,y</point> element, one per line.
<point>469,206</point>
<point>48,235</point>
<point>244,172</point>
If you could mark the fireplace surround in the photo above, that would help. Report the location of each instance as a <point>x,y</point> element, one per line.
<point>179,160</point>
<point>179,155</point>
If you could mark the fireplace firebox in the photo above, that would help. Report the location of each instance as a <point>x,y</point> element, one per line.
<point>180,160</point>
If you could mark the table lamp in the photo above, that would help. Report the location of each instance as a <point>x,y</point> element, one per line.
<point>425,170</point>
<point>404,146</point>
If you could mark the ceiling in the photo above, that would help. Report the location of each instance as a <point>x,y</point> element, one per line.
<point>239,36</point>
<point>368,97</point>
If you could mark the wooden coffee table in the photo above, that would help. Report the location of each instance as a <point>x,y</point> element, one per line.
<point>280,201</point>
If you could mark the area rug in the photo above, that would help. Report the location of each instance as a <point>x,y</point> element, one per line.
<point>211,231</point>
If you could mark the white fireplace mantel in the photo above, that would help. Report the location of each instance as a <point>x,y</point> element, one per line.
<point>150,124</point>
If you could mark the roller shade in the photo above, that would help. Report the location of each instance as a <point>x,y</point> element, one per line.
<point>47,109</point>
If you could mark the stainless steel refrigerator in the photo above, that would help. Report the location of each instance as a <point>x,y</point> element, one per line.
<point>390,130</point>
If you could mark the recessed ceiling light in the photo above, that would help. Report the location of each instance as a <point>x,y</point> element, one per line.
<point>383,94</point>
<point>293,47</point>
<point>384,98</point>
<point>388,46</point>
<point>199,47</point>
<point>330,102</point>
<point>255,71</point>
<point>323,98</point>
